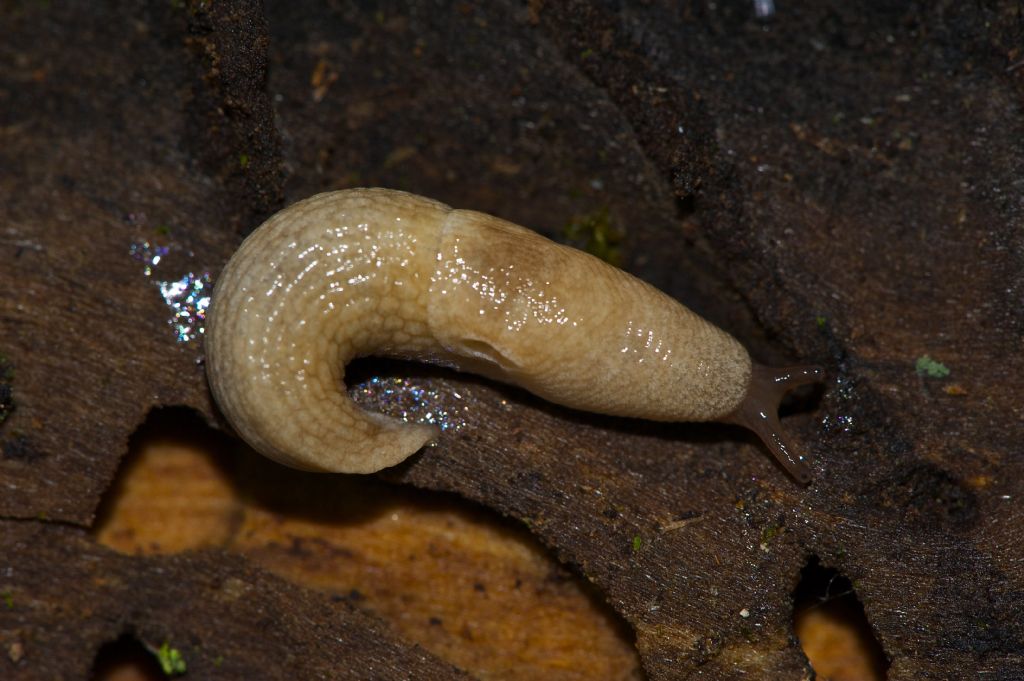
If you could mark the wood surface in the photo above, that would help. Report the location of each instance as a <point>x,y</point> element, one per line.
<point>837,183</point>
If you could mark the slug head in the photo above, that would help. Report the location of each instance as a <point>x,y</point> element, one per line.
<point>759,411</point>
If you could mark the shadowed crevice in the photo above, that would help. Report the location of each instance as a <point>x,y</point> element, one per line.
<point>126,657</point>
<point>833,629</point>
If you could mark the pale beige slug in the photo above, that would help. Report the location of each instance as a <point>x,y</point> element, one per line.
<point>380,272</point>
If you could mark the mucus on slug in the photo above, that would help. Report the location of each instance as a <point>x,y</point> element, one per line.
<point>381,272</point>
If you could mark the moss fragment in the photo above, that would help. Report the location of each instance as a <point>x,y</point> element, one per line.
<point>926,366</point>
<point>171,661</point>
<point>769,533</point>
<point>595,234</point>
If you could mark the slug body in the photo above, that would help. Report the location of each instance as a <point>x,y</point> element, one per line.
<point>380,272</point>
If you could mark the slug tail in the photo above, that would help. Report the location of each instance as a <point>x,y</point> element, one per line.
<point>759,411</point>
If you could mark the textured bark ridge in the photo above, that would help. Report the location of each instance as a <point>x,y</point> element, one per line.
<point>827,184</point>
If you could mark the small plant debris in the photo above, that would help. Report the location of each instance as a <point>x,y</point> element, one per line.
<point>595,234</point>
<point>171,661</point>
<point>926,366</point>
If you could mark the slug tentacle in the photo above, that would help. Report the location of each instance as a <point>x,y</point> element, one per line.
<point>374,271</point>
<point>759,411</point>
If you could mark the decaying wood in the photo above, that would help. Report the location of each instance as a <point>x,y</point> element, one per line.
<point>830,184</point>
<point>67,597</point>
<point>474,589</point>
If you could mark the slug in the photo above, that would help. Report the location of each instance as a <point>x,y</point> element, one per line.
<point>381,272</point>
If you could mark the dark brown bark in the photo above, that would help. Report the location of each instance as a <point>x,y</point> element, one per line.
<point>833,184</point>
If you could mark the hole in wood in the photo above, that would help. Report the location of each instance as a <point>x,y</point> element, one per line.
<point>125,659</point>
<point>469,586</point>
<point>833,629</point>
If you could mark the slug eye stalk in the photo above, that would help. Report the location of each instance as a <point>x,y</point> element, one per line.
<point>759,411</point>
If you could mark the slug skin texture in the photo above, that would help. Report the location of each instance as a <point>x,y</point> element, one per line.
<point>380,272</point>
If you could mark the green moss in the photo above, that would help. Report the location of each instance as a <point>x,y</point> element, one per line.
<point>926,366</point>
<point>769,533</point>
<point>8,599</point>
<point>638,542</point>
<point>586,54</point>
<point>821,321</point>
<point>170,659</point>
<point>595,234</point>
<point>243,161</point>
